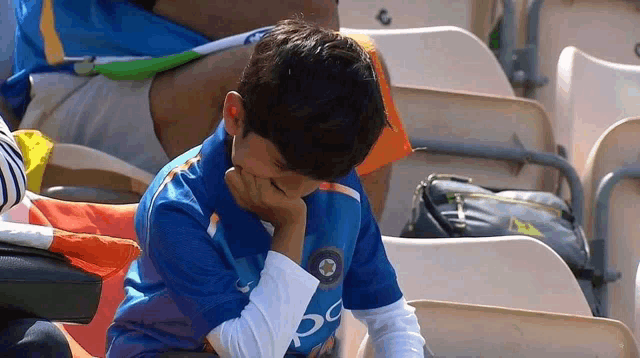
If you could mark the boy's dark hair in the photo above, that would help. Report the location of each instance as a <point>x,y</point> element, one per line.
<point>314,94</point>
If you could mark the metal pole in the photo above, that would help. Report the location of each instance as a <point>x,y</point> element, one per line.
<point>601,223</point>
<point>511,154</point>
<point>533,26</point>
<point>507,37</point>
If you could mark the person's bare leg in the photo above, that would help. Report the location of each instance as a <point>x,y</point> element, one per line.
<point>186,101</point>
<point>376,185</point>
<point>217,19</point>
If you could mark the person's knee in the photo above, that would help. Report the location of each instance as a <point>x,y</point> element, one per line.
<point>33,338</point>
<point>217,19</point>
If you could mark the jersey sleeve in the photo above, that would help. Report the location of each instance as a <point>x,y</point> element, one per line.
<point>197,277</point>
<point>371,280</point>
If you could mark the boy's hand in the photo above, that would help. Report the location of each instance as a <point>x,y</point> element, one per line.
<point>262,197</point>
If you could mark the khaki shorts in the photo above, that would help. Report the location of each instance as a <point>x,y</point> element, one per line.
<point>111,116</point>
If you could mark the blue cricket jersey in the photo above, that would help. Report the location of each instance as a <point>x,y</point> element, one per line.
<point>203,254</point>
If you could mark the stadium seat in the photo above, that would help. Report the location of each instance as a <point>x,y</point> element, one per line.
<point>446,57</point>
<point>591,95</point>
<point>604,29</point>
<point>513,272</point>
<point>616,148</point>
<point>636,324</point>
<point>74,165</point>
<point>475,16</point>
<point>466,330</point>
<point>466,118</point>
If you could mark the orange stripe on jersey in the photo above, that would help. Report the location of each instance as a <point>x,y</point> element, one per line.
<point>213,223</point>
<point>53,49</point>
<point>339,188</point>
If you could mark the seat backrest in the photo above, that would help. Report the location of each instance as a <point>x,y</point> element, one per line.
<point>445,57</point>
<point>7,31</point>
<point>591,95</point>
<point>636,316</point>
<point>466,118</point>
<point>605,29</point>
<point>77,165</point>
<point>463,330</point>
<point>514,272</point>
<point>475,16</point>
<point>617,147</point>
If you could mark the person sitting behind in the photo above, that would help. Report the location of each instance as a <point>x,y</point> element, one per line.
<point>22,337</point>
<point>255,240</point>
<point>147,123</point>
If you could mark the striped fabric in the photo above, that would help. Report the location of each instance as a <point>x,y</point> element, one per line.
<point>13,181</point>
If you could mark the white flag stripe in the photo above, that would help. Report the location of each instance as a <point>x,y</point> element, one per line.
<point>39,237</point>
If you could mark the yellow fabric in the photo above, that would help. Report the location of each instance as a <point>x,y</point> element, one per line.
<point>36,150</point>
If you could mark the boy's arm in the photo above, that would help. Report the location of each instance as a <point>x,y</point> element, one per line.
<point>267,324</point>
<point>394,330</point>
<point>371,291</point>
<point>205,289</point>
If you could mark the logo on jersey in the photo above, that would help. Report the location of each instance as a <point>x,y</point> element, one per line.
<point>327,265</point>
<point>255,36</point>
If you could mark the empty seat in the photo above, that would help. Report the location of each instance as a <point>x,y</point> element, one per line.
<point>636,325</point>
<point>466,118</point>
<point>474,16</point>
<point>616,148</point>
<point>607,30</point>
<point>463,330</point>
<point>591,95</point>
<point>514,272</point>
<point>445,57</point>
<point>72,164</point>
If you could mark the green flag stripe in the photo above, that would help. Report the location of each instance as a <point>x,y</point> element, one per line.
<point>144,68</point>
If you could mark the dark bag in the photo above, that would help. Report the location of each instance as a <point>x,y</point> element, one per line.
<point>41,284</point>
<point>451,206</point>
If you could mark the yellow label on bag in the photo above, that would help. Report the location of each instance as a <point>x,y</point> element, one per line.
<point>523,227</point>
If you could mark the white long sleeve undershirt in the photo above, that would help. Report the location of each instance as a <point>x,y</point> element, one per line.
<point>276,307</point>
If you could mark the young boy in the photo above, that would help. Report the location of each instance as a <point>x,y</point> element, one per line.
<point>254,241</point>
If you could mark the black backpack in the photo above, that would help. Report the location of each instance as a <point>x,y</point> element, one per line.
<point>451,206</point>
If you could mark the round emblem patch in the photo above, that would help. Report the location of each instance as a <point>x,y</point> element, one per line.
<point>326,264</point>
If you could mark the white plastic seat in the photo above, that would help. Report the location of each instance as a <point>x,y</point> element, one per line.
<point>636,326</point>
<point>474,16</point>
<point>464,330</point>
<point>607,30</point>
<point>591,95</point>
<point>471,119</point>
<point>513,272</point>
<point>444,57</point>
<point>617,147</point>
<point>72,164</point>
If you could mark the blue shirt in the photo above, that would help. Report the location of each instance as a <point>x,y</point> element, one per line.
<point>202,256</point>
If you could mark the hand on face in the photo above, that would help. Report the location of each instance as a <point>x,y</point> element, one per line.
<point>261,196</point>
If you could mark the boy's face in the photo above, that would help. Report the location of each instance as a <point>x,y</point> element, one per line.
<point>258,156</point>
